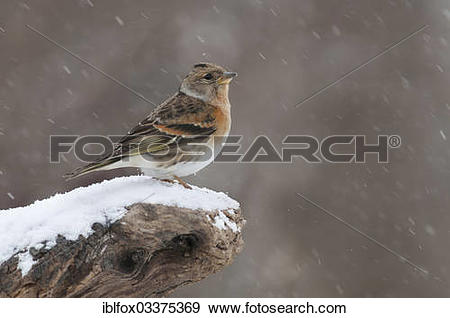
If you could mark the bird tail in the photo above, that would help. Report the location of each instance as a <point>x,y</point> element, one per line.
<point>94,166</point>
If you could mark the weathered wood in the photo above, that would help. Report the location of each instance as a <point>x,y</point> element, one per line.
<point>151,251</point>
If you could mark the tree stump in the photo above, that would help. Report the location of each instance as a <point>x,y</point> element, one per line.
<point>149,252</point>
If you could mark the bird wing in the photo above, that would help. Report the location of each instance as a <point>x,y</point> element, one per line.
<point>179,120</point>
<point>180,117</point>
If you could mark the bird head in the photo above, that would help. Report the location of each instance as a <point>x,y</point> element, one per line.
<point>208,82</point>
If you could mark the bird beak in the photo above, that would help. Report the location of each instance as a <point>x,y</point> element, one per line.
<point>227,77</point>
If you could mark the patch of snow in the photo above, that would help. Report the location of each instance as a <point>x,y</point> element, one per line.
<point>221,221</point>
<point>10,195</point>
<point>25,262</point>
<point>443,135</point>
<point>39,246</point>
<point>49,245</point>
<point>72,214</point>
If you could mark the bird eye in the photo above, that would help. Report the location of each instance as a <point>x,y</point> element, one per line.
<point>208,76</point>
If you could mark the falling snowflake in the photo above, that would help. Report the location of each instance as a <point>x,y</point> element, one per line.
<point>316,35</point>
<point>446,13</point>
<point>430,230</point>
<point>67,69</point>
<point>202,40</point>
<point>120,21</point>
<point>405,83</point>
<point>336,30</point>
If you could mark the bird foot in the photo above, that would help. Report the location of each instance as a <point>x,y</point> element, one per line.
<point>180,181</point>
<point>184,184</point>
<point>167,180</point>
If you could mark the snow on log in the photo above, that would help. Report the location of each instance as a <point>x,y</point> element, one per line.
<point>126,237</point>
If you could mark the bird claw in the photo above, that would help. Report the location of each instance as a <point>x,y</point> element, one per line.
<point>180,181</point>
<point>167,180</point>
<point>184,184</point>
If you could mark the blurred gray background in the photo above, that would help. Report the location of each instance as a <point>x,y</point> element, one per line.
<point>283,51</point>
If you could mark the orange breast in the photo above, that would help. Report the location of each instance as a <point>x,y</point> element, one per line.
<point>223,121</point>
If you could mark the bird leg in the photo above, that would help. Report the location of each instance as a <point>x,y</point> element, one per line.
<point>184,184</point>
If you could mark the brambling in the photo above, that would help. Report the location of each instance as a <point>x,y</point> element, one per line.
<point>197,115</point>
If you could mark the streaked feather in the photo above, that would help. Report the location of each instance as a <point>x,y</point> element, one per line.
<point>178,120</point>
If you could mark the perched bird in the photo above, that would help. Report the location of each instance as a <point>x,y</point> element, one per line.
<point>170,142</point>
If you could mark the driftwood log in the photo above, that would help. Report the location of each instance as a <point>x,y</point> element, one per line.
<point>150,252</point>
